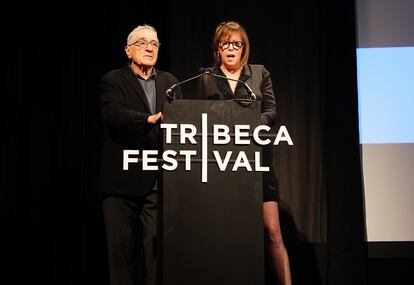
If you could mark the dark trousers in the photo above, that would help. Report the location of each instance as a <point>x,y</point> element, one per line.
<point>131,227</point>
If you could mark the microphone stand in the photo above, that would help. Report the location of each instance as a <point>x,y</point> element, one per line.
<point>252,95</point>
<point>170,91</point>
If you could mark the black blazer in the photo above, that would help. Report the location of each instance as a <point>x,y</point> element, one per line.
<point>256,76</point>
<point>125,110</point>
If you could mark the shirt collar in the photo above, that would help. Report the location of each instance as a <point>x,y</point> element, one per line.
<point>152,76</point>
<point>244,75</point>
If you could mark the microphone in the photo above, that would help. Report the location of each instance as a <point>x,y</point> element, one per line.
<point>171,91</point>
<point>204,70</point>
<point>208,71</point>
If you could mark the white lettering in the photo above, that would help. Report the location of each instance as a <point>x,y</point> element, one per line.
<point>221,131</point>
<point>256,136</point>
<point>128,159</point>
<point>242,161</point>
<point>188,154</point>
<point>257,163</point>
<point>168,128</point>
<point>166,156</point>
<point>190,135</point>
<point>283,135</point>
<point>238,133</point>
<point>222,164</point>
<point>146,159</point>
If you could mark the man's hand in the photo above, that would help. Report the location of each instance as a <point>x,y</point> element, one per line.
<point>153,119</point>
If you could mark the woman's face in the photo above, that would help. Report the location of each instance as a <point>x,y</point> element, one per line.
<point>230,49</point>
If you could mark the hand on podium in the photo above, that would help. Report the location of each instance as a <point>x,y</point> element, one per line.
<point>153,119</point>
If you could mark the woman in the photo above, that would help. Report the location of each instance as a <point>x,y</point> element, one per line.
<point>231,53</point>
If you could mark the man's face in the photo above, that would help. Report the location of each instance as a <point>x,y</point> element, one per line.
<point>144,49</point>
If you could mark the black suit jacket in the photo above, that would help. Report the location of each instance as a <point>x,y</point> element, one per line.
<point>259,80</point>
<point>256,76</point>
<point>125,110</point>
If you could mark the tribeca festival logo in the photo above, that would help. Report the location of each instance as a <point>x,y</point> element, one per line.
<point>221,136</point>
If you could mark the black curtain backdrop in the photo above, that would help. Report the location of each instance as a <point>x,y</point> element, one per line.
<point>53,56</point>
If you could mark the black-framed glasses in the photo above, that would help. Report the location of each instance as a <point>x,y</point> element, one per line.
<point>226,44</point>
<point>142,44</point>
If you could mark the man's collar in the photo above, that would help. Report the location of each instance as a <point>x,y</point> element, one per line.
<point>152,76</point>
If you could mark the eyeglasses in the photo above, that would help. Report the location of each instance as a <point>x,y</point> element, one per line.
<point>226,44</point>
<point>142,44</point>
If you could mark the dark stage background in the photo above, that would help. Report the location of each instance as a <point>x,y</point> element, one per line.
<point>53,56</point>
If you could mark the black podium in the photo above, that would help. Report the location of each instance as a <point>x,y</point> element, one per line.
<point>211,219</point>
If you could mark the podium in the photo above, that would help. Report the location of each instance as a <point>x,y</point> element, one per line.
<point>211,219</point>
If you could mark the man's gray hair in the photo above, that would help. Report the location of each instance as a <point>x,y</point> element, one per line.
<point>131,36</point>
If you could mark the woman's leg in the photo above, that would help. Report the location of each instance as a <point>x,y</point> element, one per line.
<point>275,248</point>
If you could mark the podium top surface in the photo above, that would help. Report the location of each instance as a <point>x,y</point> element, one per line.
<point>229,112</point>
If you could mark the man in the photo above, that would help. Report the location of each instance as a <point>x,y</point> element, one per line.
<point>131,102</point>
